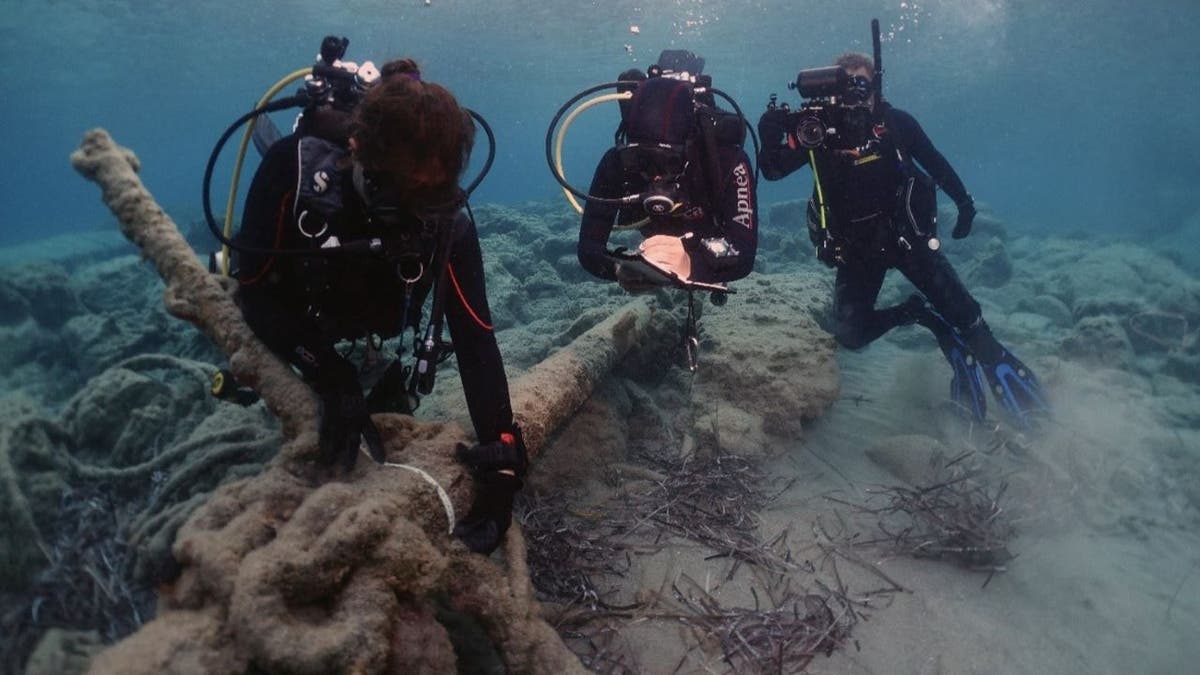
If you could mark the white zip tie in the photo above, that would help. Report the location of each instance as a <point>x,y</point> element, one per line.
<point>442,494</point>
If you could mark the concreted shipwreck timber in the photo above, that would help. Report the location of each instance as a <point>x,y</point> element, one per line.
<point>292,571</point>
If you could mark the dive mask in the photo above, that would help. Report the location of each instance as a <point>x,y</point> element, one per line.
<point>380,196</point>
<point>858,90</point>
<point>390,207</point>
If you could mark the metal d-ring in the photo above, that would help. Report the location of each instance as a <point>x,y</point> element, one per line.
<point>413,280</point>
<point>300,226</point>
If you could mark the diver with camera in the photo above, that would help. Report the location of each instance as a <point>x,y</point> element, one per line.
<point>351,223</point>
<point>678,174</point>
<point>874,208</point>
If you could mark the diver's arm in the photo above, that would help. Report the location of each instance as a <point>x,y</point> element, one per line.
<point>913,137</point>
<point>738,216</point>
<point>470,321</point>
<point>777,159</point>
<point>598,219</point>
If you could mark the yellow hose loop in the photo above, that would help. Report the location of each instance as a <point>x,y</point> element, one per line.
<point>562,132</point>
<point>241,157</point>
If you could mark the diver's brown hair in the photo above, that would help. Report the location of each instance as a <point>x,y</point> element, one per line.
<point>408,127</point>
<point>854,61</point>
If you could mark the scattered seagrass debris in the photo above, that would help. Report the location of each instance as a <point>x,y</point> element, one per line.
<point>566,549</point>
<point>785,637</point>
<point>956,517</point>
<point>802,607</point>
<point>714,502</point>
<point>97,509</point>
<point>86,583</point>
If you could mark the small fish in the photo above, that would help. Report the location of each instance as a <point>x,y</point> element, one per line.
<point>633,28</point>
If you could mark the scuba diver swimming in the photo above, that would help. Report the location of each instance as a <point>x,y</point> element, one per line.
<point>351,222</point>
<point>677,173</point>
<point>873,209</point>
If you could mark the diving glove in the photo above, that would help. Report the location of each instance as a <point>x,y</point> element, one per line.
<point>497,467</point>
<point>345,422</point>
<point>772,127</point>
<point>966,216</point>
<point>390,393</point>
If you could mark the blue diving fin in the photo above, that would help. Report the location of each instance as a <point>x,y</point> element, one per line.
<point>1017,389</point>
<point>966,386</point>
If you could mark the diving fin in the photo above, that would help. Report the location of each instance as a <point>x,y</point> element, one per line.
<point>966,386</point>
<point>265,134</point>
<point>1017,389</point>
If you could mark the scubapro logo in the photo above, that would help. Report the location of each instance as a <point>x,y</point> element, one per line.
<point>320,181</point>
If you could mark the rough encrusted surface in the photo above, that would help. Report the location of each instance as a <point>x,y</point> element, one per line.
<point>287,571</point>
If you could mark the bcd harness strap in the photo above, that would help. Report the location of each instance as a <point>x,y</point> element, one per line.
<point>318,199</point>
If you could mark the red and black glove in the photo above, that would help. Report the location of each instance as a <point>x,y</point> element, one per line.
<point>498,468</point>
<point>345,422</point>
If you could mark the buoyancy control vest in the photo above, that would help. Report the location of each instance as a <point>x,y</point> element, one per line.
<point>670,151</point>
<point>869,198</point>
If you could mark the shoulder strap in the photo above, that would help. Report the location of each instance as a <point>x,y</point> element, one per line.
<point>319,183</point>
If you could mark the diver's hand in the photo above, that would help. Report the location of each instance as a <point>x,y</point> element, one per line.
<point>491,513</point>
<point>506,454</point>
<point>390,393</point>
<point>497,467</point>
<point>634,282</point>
<point>772,127</point>
<point>966,216</point>
<point>345,423</point>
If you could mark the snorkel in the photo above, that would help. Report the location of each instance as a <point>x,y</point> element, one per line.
<point>878,55</point>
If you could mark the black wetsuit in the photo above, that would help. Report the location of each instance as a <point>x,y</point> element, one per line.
<point>732,215</point>
<point>301,305</point>
<point>861,191</point>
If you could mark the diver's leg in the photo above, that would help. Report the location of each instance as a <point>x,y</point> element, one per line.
<point>857,322</point>
<point>957,322</point>
<point>294,337</point>
<point>949,310</point>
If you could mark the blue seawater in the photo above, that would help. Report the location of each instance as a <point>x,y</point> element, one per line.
<point>1061,117</point>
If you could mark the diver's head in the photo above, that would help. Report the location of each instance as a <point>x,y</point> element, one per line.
<point>860,69</point>
<point>410,141</point>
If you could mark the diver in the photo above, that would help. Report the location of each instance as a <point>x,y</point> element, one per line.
<point>697,206</point>
<point>678,174</point>
<point>873,209</point>
<point>376,177</point>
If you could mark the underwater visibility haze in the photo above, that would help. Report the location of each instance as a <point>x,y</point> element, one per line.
<point>789,506</point>
<point>1060,117</point>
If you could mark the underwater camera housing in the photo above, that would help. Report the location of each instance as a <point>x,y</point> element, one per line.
<point>835,111</point>
<point>337,82</point>
<point>838,110</point>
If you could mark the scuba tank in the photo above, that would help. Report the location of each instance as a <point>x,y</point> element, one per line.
<point>686,98</point>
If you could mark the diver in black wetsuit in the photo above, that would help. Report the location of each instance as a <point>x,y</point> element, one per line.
<point>386,173</point>
<point>873,209</point>
<point>699,208</point>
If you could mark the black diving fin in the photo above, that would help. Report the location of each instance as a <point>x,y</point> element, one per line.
<point>966,386</point>
<point>1017,389</point>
